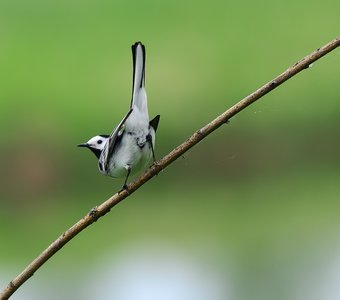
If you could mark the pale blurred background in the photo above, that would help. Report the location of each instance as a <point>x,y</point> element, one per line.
<point>252,212</point>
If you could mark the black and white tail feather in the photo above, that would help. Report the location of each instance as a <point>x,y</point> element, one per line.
<point>131,144</point>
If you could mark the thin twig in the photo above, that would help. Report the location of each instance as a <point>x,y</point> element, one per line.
<point>200,134</point>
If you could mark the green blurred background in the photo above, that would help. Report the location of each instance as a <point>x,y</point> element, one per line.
<point>252,212</point>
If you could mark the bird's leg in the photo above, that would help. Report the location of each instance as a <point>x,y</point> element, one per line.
<point>149,139</point>
<point>128,168</point>
<point>153,153</point>
<point>124,187</point>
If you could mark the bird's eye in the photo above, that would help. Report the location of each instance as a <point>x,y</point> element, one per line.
<point>99,142</point>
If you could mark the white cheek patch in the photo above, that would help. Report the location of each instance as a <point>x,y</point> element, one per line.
<point>93,142</point>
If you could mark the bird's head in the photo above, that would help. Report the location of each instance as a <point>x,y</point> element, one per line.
<point>96,144</point>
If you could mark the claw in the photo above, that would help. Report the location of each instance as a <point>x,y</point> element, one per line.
<point>124,188</point>
<point>154,166</point>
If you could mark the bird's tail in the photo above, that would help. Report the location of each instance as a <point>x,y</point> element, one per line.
<point>139,99</point>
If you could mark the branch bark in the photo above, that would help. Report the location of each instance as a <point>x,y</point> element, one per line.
<point>200,134</point>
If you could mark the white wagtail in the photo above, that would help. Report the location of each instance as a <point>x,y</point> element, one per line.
<point>131,144</point>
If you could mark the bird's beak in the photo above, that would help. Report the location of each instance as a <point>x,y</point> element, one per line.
<point>83,145</point>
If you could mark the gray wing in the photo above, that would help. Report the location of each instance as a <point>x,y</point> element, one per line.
<point>104,159</point>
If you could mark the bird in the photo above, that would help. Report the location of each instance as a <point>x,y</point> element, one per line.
<point>131,145</point>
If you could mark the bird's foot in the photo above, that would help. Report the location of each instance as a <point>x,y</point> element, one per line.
<point>155,167</point>
<point>124,188</point>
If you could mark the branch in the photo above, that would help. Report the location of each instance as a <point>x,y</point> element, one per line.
<point>200,134</point>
